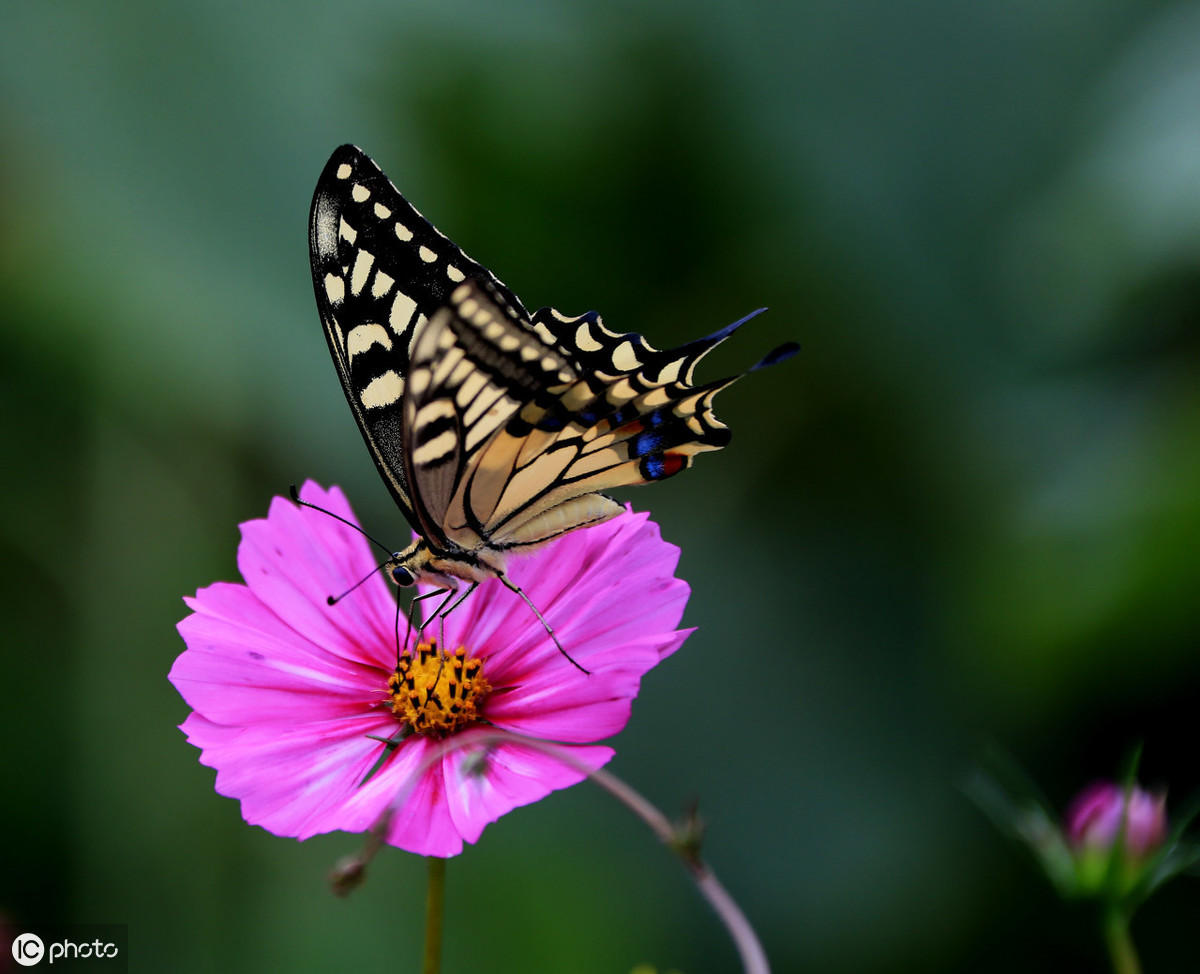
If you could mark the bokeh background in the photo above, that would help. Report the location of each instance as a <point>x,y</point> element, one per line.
<point>967,514</point>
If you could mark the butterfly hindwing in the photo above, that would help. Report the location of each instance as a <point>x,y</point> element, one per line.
<point>474,367</point>
<point>380,272</point>
<point>633,417</point>
<point>515,434</point>
<point>597,434</point>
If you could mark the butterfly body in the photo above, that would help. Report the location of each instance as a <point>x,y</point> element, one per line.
<point>495,430</point>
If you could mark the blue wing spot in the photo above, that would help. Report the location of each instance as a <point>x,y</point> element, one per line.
<point>622,416</point>
<point>660,466</point>
<point>645,443</point>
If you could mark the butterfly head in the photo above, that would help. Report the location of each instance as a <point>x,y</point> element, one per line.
<point>409,566</point>
<point>401,575</point>
<point>418,564</point>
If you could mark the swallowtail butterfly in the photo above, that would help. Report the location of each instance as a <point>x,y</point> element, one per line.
<point>494,429</point>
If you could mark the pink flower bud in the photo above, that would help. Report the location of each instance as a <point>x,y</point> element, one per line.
<point>1093,820</point>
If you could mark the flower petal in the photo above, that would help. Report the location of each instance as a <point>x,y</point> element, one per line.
<point>297,558</point>
<point>296,780</point>
<point>485,782</point>
<point>245,665</point>
<point>560,704</point>
<point>610,593</point>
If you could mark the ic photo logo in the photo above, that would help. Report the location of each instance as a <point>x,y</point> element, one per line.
<point>28,949</point>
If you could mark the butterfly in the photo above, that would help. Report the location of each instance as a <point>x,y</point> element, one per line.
<point>494,429</point>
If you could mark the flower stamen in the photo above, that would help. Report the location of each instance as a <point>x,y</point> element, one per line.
<point>437,695</point>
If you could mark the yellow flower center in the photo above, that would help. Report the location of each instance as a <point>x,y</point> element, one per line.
<point>436,695</point>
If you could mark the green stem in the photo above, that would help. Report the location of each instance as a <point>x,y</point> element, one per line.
<point>435,906</point>
<point>681,840</point>
<point>1121,951</point>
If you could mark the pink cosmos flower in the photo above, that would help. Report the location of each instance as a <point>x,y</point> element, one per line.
<point>293,698</point>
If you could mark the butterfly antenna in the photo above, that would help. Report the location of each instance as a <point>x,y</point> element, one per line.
<point>295,495</point>
<point>335,599</point>
<point>514,587</point>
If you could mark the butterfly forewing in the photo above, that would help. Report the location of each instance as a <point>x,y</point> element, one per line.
<point>380,272</point>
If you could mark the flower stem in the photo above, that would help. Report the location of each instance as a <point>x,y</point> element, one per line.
<point>435,902</point>
<point>753,957</point>
<point>1121,951</point>
<point>683,841</point>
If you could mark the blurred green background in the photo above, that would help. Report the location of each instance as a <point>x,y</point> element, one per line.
<point>968,512</point>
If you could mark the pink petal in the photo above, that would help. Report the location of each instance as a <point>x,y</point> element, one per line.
<point>484,783</point>
<point>609,592</point>
<point>561,704</point>
<point>245,665</point>
<point>297,779</point>
<point>296,558</point>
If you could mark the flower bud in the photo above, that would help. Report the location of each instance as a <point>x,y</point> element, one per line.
<point>1104,814</point>
<point>1093,820</point>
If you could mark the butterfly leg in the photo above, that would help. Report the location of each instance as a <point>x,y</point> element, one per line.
<point>446,611</point>
<point>514,587</point>
<point>459,601</point>
<point>436,613</point>
<point>441,614</point>
<point>412,607</point>
<point>406,631</point>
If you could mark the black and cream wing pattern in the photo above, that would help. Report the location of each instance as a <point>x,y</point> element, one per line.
<point>494,429</point>
<point>380,272</point>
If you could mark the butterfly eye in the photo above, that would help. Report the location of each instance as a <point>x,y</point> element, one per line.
<point>402,576</point>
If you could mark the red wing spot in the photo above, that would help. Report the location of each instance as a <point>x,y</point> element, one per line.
<point>672,464</point>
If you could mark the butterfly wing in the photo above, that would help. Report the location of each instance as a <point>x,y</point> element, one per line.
<point>518,426</point>
<point>380,272</point>
<point>475,365</point>
<point>632,416</point>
